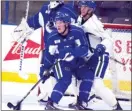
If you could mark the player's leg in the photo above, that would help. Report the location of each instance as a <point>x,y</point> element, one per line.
<point>72,89</point>
<point>42,93</point>
<point>100,89</point>
<point>46,92</point>
<point>63,75</point>
<point>87,77</point>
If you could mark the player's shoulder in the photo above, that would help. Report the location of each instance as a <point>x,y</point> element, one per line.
<point>44,8</point>
<point>95,16</point>
<point>75,28</point>
<point>53,35</point>
<point>68,6</point>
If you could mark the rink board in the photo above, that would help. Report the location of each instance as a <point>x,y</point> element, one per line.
<point>14,77</point>
<point>11,56</point>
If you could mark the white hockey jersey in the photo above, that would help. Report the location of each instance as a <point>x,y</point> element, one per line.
<point>97,33</point>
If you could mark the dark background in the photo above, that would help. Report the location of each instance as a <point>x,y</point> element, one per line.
<point>119,12</point>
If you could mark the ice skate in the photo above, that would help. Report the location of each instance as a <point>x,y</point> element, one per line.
<point>50,105</point>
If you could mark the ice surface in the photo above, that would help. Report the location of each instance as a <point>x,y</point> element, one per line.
<point>13,92</point>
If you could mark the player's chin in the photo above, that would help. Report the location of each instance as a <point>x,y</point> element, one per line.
<point>83,14</point>
<point>60,31</point>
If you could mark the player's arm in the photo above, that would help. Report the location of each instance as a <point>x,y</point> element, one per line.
<point>26,27</point>
<point>48,58</point>
<point>37,20</point>
<point>80,48</point>
<point>107,40</point>
<point>72,12</point>
<point>81,45</point>
<point>96,28</point>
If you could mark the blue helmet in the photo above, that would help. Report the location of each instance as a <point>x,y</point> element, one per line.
<point>62,17</point>
<point>90,4</point>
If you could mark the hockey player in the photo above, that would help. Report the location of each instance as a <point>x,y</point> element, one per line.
<point>45,18</point>
<point>100,44</point>
<point>67,44</point>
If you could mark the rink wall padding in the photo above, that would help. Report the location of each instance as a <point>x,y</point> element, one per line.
<point>14,77</point>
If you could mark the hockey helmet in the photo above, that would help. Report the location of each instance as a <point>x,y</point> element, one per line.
<point>62,17</point>
<point>90,4</point>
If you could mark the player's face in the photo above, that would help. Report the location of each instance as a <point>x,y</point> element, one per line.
<point>85,10</point>
<point>61,26</point>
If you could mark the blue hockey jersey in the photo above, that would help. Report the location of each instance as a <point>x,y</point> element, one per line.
<point>74,42</point>
<point>44,16</point>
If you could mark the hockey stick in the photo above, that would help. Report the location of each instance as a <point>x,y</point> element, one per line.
<point>23,45</point>
<point>117,61</point>
<point>18,106</point>
<point>113,59</point>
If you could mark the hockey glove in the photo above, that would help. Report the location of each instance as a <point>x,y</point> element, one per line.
<point>44,75</point>
<point>45,78</point>
<point>22,31</point>
<point>100,50</point>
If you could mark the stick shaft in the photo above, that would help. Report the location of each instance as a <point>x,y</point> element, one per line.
<point>27,10</point>
<point>37,83</point>
<point>23,47</point>
<point>112,58</point>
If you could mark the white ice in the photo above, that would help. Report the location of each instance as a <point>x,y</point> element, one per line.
<point>13,92</point>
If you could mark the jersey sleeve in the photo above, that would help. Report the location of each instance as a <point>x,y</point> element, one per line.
<point>72,13</point>
<point>94,26</point>
<point>48,59</point>
<point>81,45</point>
<point>36,20</point>
<point>80,48</point>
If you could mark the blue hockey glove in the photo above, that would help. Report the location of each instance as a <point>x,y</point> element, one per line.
<point>100,50</point>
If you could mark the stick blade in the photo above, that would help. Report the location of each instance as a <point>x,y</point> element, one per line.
<point>10,105</point>
<point>18,107</point>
